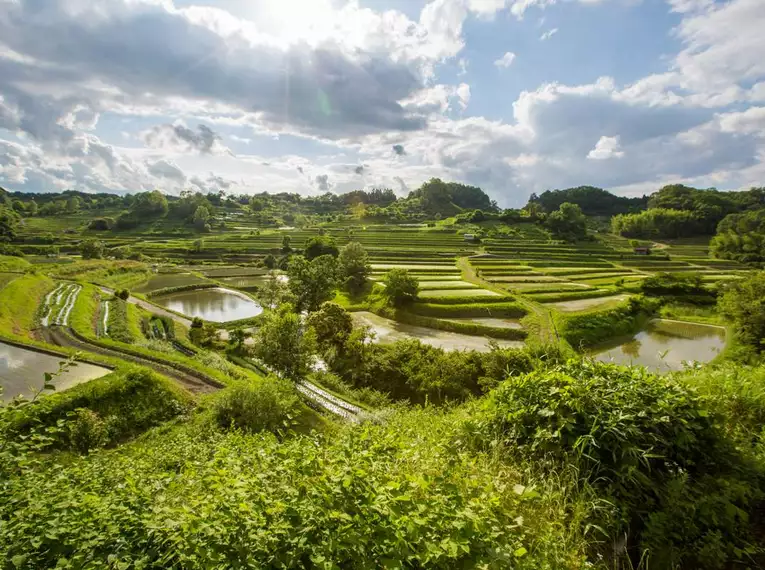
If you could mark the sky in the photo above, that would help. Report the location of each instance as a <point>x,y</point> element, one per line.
<point>310,96</point>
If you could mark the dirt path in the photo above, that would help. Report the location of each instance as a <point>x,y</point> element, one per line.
<point>60,336</point>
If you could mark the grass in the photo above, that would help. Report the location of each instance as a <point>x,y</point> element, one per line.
<point>19,301</point>
<point>467,293</point>
<point>171,280</point>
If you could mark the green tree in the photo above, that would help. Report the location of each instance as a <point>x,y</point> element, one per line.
<point>284,344</point>
<point>320,245</point>
<point>91,249</point>
<point>274,291</point>
<point>400,287</point>
<point>743,302</point>
<point>8,222</point>
<point>32,208</point>
<point>353,266</point>
<point>73,204</point>
<point>286,247</point>
<point>150,204</point>
<point>332,326</point>
<point>201,219</point>
<point>568,222</point>
<point>269,261</point>
<point>312,282</point>
<point>197,245</point>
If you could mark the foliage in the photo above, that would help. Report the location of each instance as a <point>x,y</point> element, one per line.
<point>656,223</point>
<point>593,201</point>
<point>102,224</point>
<point>363,396</point>
<point>567,223</point>
<point>19,301</point>
<point>118,321</point>
<point>741,237</point>
<point>353,267</point>
<point>587,329</point>
<point>312,282</point>
<point>674,284</point>
<point>332,326</point>
<point>150,204</point>
<point>86,430</point>
<point>437,196</point>
<point>201,219</point>
<point>266,404</point>
<point>9,220</point>
<point>92,249</point>
<point>320,245</point>
<point>645,443</point>
<point>400,287</point>
<point>284,344</point>
<point>743,302</point>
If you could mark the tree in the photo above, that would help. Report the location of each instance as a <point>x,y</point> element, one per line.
<point>312,282</point>
<point>741,237</point>
<point>150,204</point>
<point>32,208</point>
<point>274,291</point>
<point>353,266</point>
<point>320,245</point>
<point>269,261</point>
<point>332,326</point>
<point>284,344</point>
<point>200,219</point>
<point>400,287</point>
<point>286,247</point>
<point>197,245</point>
<point>743,302</point>
<point>73,204</point>
<point>237,338</point>
<point>568,222</point>
<point>92,249</point>
<point>8,222</point>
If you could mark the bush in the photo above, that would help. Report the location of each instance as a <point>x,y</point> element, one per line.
<point>743,302</point>
<point>268,404</point>
<point>86,430</point>
<point>645,443</point>
<point>591,328</point>
<point>674,284</point>
<point>400,287</point>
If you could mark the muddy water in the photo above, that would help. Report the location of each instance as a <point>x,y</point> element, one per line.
<point>666,345</point>
<point>217,305</point>
<point>21,371</point>
<point>389,331</point>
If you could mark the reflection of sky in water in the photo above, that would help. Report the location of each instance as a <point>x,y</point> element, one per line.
<point>22,370</point>
<point>665,346</point>
<point>217,305</point>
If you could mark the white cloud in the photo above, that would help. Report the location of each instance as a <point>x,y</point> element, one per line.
<point>548,34</point>
<point>463,95</point>
<point>506,60</point>
<point>605,148</point>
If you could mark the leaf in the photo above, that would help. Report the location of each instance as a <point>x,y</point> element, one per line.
<point>519,552</point>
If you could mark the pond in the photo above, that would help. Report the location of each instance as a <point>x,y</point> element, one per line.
<point>388,331</point>
<point>217,305</point>
<point>665,345</point>
<point>21,368</point>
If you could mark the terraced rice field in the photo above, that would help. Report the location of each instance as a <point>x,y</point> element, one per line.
<point>167,280</point>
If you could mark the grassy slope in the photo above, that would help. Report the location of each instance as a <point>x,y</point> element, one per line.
<point>19,301</point>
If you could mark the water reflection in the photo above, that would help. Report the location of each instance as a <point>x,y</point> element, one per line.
<point>389,331</point>
<point>666,345</point>
<point>216,305</point>
<point>21,371</point>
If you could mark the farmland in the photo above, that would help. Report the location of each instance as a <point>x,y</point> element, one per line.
<point>412,380</point>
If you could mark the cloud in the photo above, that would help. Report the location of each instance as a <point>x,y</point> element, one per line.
<point>606,147</point>
<point>399,149</point>
<point>506,60</point>
<point>359,169</point>
<point>463,95</point>
<point>322,182</point>
<point>179,136</point>
<point>548,34</point>
<point>166,169</point>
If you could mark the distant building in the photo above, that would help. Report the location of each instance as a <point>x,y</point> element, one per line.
<point>643,250</point>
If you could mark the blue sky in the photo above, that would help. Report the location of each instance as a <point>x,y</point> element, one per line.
<point>311,96</point>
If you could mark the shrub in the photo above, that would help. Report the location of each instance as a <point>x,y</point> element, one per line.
<point>268,404</point>
<point>743,302</point>
<point>674,284</point>
<point>400,287</point>
<point>645,443</point>
<point>86,430</point>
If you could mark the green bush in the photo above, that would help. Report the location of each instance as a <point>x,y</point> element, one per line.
<point>269,404</point>
<point>645,443</point>
<point>587,329</point>
<point>86,430</point>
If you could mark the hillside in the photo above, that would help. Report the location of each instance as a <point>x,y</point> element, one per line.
<point>362,380</point>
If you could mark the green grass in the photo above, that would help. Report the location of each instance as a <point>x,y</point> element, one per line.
<point>10,263</point>
<point>171,280</point>
<point>19,301</point>
<point>468,293</point>
<point>6,278</point>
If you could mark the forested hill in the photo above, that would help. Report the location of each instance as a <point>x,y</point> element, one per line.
<point>593,201</point>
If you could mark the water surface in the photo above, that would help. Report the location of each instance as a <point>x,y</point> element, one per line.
<point>666,345</point>
<point>388,331</point>
<point>21,371</point>
<point>217,305</point>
